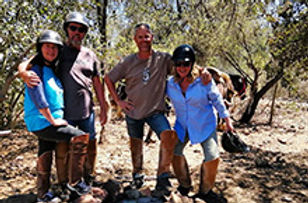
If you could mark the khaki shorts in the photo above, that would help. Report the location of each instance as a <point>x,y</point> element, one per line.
<point>209,146</point>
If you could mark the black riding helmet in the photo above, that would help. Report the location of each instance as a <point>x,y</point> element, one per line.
<point>75,17</point>
<point>184,53</point>
<point>232,143</point>
<point>49,36</point>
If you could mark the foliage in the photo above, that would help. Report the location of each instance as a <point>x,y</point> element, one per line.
<point>262,40</point>
<point>289,46</point>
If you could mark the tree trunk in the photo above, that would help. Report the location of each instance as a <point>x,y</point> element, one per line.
<point>102,19</point>
<point>250,109</point>
<point>255,98</point>
<point>273,105</point>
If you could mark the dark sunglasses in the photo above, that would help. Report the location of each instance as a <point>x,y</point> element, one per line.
<point>147,26</point>
<point>182,64</point>
<point>80,29</point>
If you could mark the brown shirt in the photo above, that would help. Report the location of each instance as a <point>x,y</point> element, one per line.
<point>76,70</point>
<point>146,91</point>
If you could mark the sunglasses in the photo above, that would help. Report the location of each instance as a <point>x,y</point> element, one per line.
<point>80,29</point>
<point>147,26</point>
<point>182,64</point>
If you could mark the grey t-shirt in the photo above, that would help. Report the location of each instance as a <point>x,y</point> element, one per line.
<point>76,70</point>
<point>145,82</point>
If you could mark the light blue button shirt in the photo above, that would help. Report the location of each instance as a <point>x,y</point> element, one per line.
<point>195,111</point>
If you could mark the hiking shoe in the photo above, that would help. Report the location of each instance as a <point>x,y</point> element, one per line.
<point>49,197</point>
<point>137,180</point>
<point>162,186</point>
<point>211,197</point>
<point>80,188</point>
<point>183,190</point>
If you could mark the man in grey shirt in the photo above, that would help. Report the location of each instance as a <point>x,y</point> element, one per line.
<point>145,74</point>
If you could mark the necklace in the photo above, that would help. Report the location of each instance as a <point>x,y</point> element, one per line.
<point>146,71</point>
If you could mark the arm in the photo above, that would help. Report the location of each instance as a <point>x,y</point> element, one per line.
<point>28,76</point>
<point>55,122</point>
<point>125,105</point>
<point>229,124</point>
<point>218,102</point>
<point>100,93</point>
<point>38,97</point>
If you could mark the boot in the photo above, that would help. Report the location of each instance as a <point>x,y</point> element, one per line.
<point>208,176</point>
<point>62,162</point>
<point>168,139</point>
<point>43,174</point>
<point>136,148</point>
<point>137,154</point>
<point>78,153</point>
<point>181,171</point>
<point>89,172</point>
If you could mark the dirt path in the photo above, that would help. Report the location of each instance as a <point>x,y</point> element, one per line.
<point>276,170</point>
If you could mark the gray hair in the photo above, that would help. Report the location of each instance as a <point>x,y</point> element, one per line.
<point>144,25</point>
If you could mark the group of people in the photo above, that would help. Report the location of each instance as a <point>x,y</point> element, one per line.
<point>59,109</point>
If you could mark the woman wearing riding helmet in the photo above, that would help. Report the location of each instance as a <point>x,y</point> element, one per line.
<point>194,104</point>
<point>43,107</point>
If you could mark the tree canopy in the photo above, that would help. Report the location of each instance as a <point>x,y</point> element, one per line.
<point>266,41</point>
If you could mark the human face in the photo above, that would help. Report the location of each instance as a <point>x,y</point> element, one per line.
<point>76,33</point>
<point>49,51</point>
<point>183,68</point>
<point>143,39</point>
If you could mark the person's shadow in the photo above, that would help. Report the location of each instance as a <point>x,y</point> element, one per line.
<point>22,198</point>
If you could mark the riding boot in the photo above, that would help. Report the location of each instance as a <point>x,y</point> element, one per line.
<point>78,153</point>
<point>43,173</point>
<point>136,148</point>
<point>208,176</point>
<point>181,171</point>
<point>89,172</point>
<point>62,162</point>
<point>168,139</point>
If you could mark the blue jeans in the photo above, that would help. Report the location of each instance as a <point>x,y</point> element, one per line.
<point>157,122</point>
<point>87,125</point>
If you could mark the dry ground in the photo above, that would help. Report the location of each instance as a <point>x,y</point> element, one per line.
<point>276,170</point>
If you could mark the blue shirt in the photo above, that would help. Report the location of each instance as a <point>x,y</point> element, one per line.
<point>49,93</point>
<point>195,111</point>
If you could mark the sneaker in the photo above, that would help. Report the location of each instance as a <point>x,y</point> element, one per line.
<point>89,179</point>
<point>138,180</point>
<point>49,197</point>
<point>80,188</point>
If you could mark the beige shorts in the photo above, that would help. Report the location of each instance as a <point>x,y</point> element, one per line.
<point>209,146</point>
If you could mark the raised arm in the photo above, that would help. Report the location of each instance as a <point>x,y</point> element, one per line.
<point>28,76</point>
<point>205,75</point>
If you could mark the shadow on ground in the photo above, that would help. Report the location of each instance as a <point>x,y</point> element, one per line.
<point>23,198</point>
<point>270,174</point>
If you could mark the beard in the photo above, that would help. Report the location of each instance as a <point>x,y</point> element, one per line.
<point>75,40</point>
